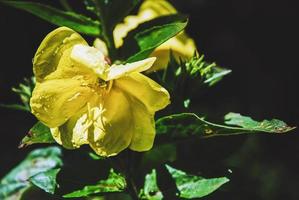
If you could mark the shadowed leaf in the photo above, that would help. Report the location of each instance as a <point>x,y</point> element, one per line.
<point>58,17</point>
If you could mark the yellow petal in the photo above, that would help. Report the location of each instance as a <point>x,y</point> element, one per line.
<point>144,127</point>
<point>181,46</point>
<point>73,133</point>
<point>112,126</point>
<point>91,58</point>
<point>149,10</point>
<point>101,45</point>
<point>54,101</point>
<point>158,7</point>
<point>51,49</point>
<point>147,91</point>
<point>117,71</point>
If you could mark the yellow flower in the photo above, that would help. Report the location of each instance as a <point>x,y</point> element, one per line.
<point>84,100</point>
<point>181,45</point>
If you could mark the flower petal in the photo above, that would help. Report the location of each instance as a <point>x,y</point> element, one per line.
<point>54,101</point>
<point>147,91</point>
<point>90,58</point>
<point>117,71</point>
<point>73,133</point>
<point>112,124</point>
<point>144,127</point>
<point>51,49</point>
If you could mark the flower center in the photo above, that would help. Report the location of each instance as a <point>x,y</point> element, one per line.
<point>105,85</point>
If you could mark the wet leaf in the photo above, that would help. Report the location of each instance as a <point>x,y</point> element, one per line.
<point>151,190</point>
<point>188,186</point>
<point>17,181</point>
<point>46,180</point>
<point>191,186</point>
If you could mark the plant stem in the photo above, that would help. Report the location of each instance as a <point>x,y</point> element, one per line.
<point>107,33</point>
<point>123,163</point>
<point>132,188</point>
<point>66,5</point>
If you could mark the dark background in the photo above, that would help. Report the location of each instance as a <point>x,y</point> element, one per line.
<point>257,39</point>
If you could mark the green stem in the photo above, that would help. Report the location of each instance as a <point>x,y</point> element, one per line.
<point>66,5</point>
<point>107,33</point>
<point>123,164</point>
<point>132,188</point>
<point>130,171</point>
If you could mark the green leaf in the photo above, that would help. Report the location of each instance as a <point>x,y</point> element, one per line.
<point>146,37</point>
<point>151,190</point>
<point>187,125</point>
<point>46,180</point>
<point>58,17</point>
<point>191,186</point>
<point>18,180</point>
<point>24,90</point>
<point>114,183</point>
<point>269,126</point>
<point>39,133</point>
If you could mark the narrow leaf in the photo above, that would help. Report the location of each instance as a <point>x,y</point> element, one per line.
<point>39,133</point>
<point>191,186</point>
<point>24,90</point>
<point>146,37</point>
<point>114,183</point>
<point>15,107</point>
<point>58,17</point>
<point>188,125</point>
<point>209,73</point>
<point>46,180</point>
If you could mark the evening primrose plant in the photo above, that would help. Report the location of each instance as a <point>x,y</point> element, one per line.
<point>121,104</point>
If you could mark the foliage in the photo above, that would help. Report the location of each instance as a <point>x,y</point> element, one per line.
<point>188,125</point>
<point>39,169</point>
<point>114,183</point>
<point>181,78</point>
<point>24,90</point>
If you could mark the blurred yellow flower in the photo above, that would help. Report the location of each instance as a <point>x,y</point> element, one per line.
<point>181,45</point>
<point>84,100</point>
